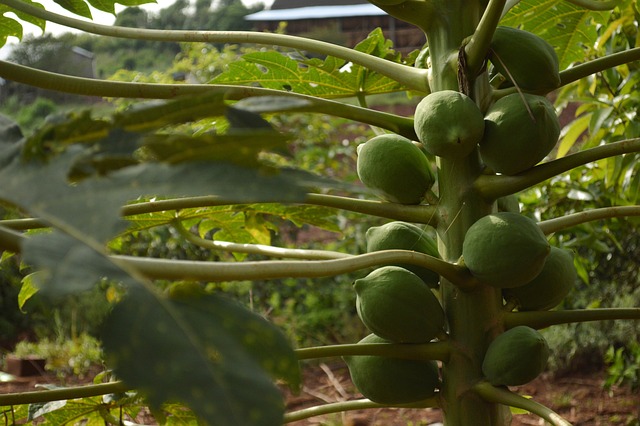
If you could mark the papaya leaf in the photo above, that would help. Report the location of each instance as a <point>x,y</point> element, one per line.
<point>28,289</point>
<point>79,7</point>
<point>141,119</point>
<point>86,411</point>
<point>238,147</point>
<point>328,78</point>
<point>203,350</point>
<point>569,28</point>
<point>157,114</point>
<point>10,27</point>
<point>571,134</point>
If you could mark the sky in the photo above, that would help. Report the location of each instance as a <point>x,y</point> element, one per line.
<point>98,17</point>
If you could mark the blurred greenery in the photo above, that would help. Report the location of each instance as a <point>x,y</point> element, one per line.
<point>599,109</point>
<point>64,357</point>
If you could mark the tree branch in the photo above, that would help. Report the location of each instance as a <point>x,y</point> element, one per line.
<point>432,350</point>
<point>491,393</point>
<point>543,319</point>
<point>559,223</point>
<point>492,187</point>
<point>360,404</point>
<point>120,89</point>
<point>412,78</point>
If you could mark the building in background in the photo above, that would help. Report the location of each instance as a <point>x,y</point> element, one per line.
<point>344,22</point>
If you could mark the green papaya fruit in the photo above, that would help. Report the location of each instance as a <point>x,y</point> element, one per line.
<point>392,380</point>
<point>395,167</point>
<point>530,60</point>
<point>509,203</point>
<point>404,236</point>
<point>515,357</point>
<point>518,135</point>
<point>396,305</point>
<point>547,290</point>
<point>505,249</point>
<point>448,123</point>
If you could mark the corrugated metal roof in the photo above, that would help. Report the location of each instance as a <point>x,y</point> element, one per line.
<point>316,12</point>
<point>292,4</point>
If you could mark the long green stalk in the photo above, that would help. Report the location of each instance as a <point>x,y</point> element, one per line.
<point>478,46</point>
<point>412,78</point>
<point>120,89</point>
<point>543,319</point>
<point>559,223</point>
<point>259,249</point>
<point>433,350</point>
<point>492,187</point>
<point>62,393</point>
<point>425,214</point>
<point>153,268</point>
<point>504,396</point>
<point>338,407</point>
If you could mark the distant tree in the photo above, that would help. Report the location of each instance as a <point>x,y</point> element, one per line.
<point>133,17</point>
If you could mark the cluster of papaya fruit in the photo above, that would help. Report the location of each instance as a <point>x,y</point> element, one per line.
<point>398,303</point>
<point>535,276</point>
<point>515,133</point>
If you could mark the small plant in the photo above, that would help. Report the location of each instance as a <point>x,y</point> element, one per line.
<point>623,366</point>
<point>64,357</point>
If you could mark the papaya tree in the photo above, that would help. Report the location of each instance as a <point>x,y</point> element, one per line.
<point>455,320</point>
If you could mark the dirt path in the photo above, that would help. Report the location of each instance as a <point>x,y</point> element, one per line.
<point>581,399</point>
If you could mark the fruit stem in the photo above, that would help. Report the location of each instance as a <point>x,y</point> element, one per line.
<point>504,396</point>
<point>417,351</point>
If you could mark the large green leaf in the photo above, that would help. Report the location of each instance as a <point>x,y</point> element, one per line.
<point>203,350</point>
<point>206,352</point>
<point>328,78</point>
<point>569,28</point>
